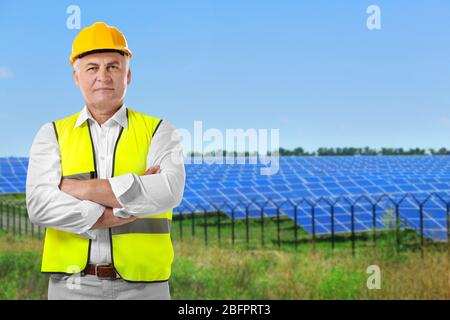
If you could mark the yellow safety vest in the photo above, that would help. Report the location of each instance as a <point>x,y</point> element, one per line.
<point>141,251</point>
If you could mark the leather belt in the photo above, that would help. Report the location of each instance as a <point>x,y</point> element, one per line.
<point>102,271</point>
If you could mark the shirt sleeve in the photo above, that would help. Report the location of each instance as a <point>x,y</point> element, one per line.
<point>121,213</point>
<point>47,205</point>
<point>156,193</point>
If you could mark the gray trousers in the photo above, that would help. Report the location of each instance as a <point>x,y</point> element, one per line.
<point>89,287</point>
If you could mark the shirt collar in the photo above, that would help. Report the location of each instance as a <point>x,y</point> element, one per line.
<point>120,117</point>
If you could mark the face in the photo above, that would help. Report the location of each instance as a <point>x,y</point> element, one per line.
<point>103,79</point>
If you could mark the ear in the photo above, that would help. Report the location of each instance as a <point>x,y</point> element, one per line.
<point>75,78</point>
<point>129,76</point>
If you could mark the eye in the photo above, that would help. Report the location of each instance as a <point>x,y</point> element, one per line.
<point>92,68</point>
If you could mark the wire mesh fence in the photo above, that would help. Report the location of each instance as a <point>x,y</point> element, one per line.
<point>14,219</point>
<point>401,221</point>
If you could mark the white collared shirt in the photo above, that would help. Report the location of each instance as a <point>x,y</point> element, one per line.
<point>48,206</point>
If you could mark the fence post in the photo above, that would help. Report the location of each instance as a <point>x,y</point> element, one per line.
<point>262,226</point>
<point>313,216</point>
<point>20,220</point>
<point>26,221</point>
<point>7,217</point>
<point>247,236</point>
<point>397,226</point>
<point>218,226</point>
<point>448,231</point>
<point>332,227</point>
<point>206,228</point>
<point>278,228</point>
<point>14,218</point>
<point>181,225</point>
<point>232,227</point>
<point>295,228</point>
<point>374,224</point>
<point>421,230</point>
<point>353,229</point>
<point>1,215</point>
<point>193,224</point>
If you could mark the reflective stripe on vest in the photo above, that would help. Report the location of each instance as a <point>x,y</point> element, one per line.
<point>82,176</point>
<point>160,225</point>
<point>141,251</point>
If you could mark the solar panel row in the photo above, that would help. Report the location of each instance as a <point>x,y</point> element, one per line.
<point>234,187</point>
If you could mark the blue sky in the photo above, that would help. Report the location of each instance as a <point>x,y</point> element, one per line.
<point>310,68</point>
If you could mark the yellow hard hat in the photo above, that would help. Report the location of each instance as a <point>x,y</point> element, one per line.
<point>99,37</point>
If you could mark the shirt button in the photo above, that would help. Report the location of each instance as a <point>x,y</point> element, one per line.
<point>102,158</point>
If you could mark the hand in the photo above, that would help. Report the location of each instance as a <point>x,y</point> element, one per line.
<point>152,170</point>
<point>109,220</point>
<point>74,187</point>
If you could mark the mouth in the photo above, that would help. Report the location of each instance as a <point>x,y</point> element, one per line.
<point>104,89</point>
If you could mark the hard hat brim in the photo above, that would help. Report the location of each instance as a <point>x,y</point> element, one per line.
<point>81,55</point>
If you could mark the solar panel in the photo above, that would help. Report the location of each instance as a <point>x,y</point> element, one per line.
<point>209,186</point>
<point>316,177</point>
<point>13,174</point>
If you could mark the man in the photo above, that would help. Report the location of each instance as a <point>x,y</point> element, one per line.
<point>104,182</point>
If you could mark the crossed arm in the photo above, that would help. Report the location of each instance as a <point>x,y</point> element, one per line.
<point>100,191</point>
<point>80,205</point>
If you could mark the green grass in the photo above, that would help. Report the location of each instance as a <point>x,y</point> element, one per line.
<point>276,270</point>
<point>219,273</point>
<point>13,197</point>
<point>20,264</point>
<point>214,272</point>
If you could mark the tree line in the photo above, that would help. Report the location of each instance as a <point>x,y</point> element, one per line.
<point>349,151</point>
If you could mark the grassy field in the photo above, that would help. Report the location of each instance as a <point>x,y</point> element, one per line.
<point>213,272</point>
<point>279,268</point>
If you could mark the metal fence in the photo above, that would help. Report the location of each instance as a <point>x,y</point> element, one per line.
<point>14,219</point>
<point>306,209</point>
<point>273,222</point>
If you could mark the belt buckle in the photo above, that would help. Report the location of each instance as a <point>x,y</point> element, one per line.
<point>102,265</point>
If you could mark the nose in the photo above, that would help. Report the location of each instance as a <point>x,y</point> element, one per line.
<point>103,75</point>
